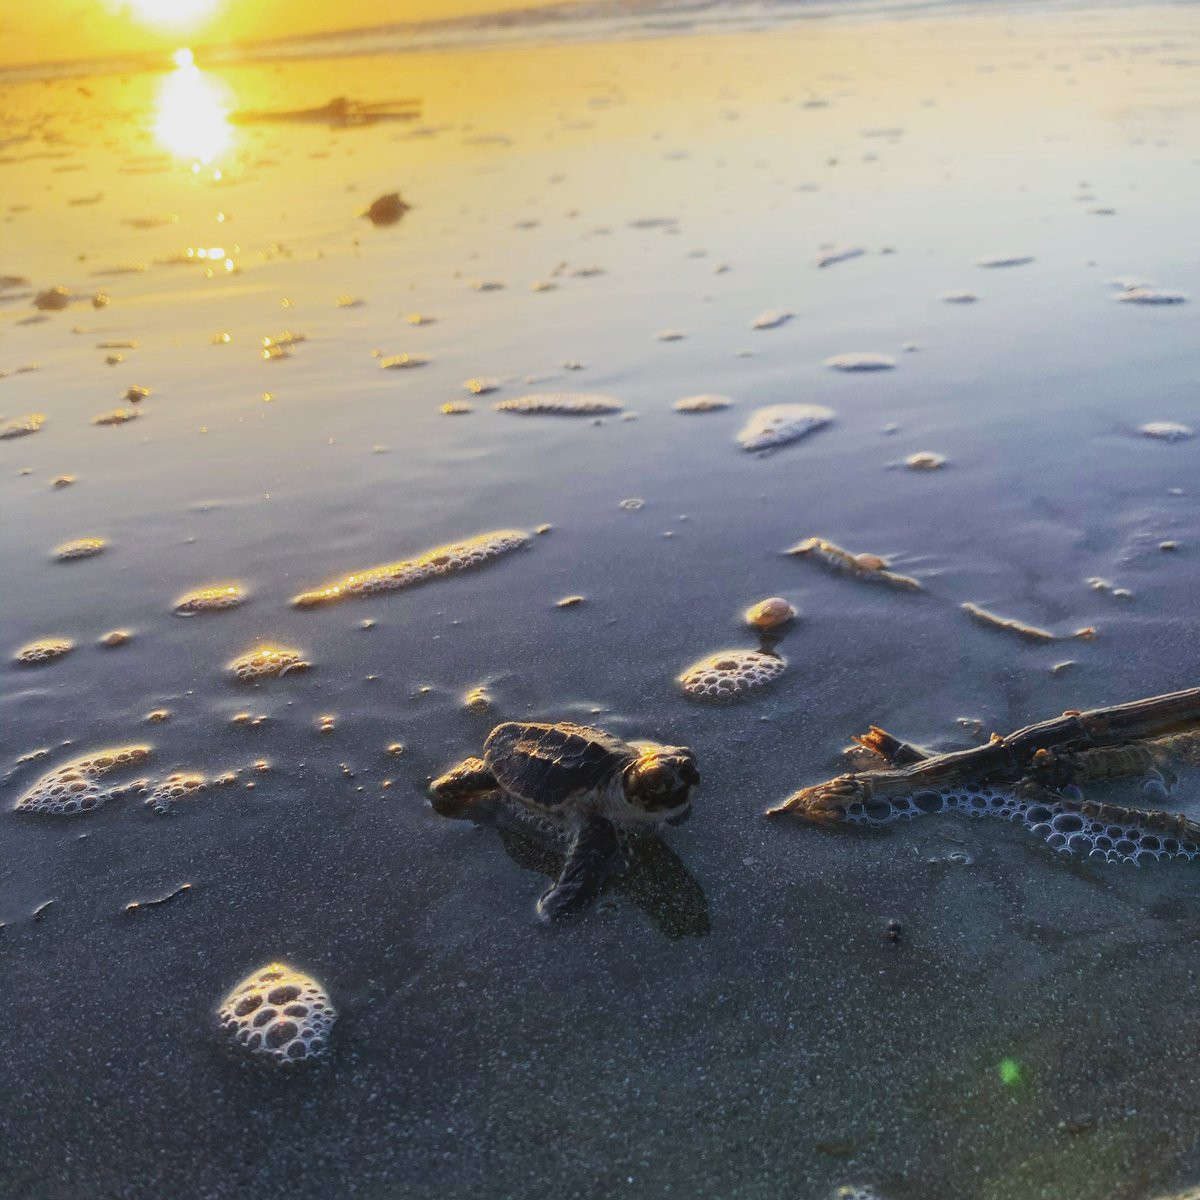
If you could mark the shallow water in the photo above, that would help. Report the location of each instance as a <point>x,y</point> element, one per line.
<point>1029,1035</point>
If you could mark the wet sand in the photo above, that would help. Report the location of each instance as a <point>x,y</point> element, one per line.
<point>1032,1032</point>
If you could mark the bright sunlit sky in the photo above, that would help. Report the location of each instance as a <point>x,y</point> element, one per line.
<point>67,29</point>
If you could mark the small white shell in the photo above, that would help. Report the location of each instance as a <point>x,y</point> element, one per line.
<point>925,460</point>
<point>731,674</point>
<point>769,613</point>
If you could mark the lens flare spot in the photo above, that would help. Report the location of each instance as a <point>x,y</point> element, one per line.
<point>172,13</point>
<point>192,117</point>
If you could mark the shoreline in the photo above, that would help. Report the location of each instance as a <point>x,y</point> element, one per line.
<point>493,33</point>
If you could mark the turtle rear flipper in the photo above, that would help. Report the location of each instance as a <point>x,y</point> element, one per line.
<point>583,874</point>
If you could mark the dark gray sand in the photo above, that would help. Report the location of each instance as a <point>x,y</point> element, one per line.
<point>743,1028</point>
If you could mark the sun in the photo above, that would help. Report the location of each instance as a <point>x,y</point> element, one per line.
<point>172,13</point>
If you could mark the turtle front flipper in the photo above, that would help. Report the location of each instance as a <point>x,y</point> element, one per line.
<point>583,874</point>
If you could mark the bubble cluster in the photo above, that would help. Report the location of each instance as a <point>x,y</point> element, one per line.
<point>837,254</point>
<point>118,416</point>
<point>44,650</point>
<point>442,560</point>
<point>1068,826</point>
<point>1150,295</point>
<point>53,299</point>
<point>778,424</point>
<point>480,386</point>
<point>210,599</point>
<point>75,786</point>
<point>702,404</point>
<point>771,319</point>
<point>177,786</point>
<point>402,362</point>
<point>562,404</point>
<point>267,662</point>
<point>20,426</point>
<point>731,674</point>
<point>1005,260</point>
<point>279,1014</point>
<point>1167,431</point>
<point>79,548</point>
<point>863,360</point>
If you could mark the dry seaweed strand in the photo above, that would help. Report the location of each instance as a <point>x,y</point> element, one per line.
<point>862,566</point>
<point>1009,625</point>
<point>1098,743</point>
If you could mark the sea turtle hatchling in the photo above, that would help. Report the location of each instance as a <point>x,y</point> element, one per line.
<point>586,785</point>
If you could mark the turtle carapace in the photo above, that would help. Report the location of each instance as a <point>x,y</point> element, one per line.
<point>584,784</point>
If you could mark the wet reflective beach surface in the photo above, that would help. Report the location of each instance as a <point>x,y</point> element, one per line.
<point>965,241</point>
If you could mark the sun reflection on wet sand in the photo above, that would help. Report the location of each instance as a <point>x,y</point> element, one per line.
<point>192,113</point>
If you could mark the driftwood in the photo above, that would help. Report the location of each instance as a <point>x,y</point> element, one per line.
<point>341,113</point>
<point>1102,743</point>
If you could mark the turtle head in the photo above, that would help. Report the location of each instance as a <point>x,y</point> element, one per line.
<point>658,784</point>
<point>464,790</point>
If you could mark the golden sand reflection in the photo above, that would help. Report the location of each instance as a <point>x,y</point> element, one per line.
<point>192,113</point>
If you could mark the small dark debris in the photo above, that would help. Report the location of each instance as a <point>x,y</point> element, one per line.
<point>836,1149</point>
<point>387,210</point>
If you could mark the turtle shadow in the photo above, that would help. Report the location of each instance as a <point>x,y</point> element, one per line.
<point>650,875</point>
<point>647,872</point>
